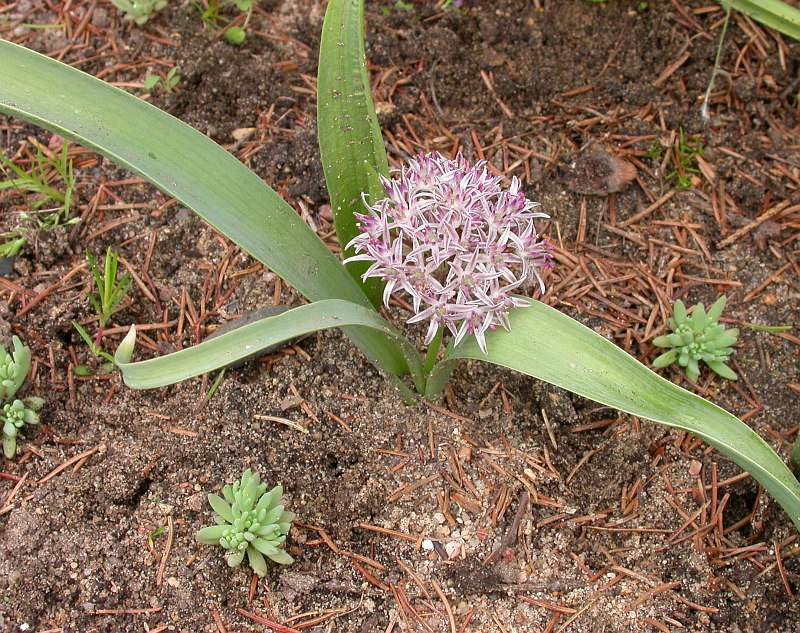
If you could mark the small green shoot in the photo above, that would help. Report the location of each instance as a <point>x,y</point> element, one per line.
<point>110,294</point>
<point>15,413</point>
<point>97,352</point>
<point>110,291</point>
<point>772,329</point>
<point>704,111</point>
<point>13,245</point>
<point>139,11</point>
<point>167,83</point>
<point>682,159</point>
<point>249,521</point>
<point>154,535</point>
<point>50,206</point>
<point>211,17</point>
<point>698,338</point>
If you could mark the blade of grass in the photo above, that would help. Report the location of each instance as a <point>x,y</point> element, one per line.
<point>191,168</point>
<point>247,340</point>
<point>350,140</point>
<point>553,347</point>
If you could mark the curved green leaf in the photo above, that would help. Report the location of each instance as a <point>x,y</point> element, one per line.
<point>551,346</point>
<point>775,14</point>
<point>188,166</point>
<point>247,340</point>
<point>350,140</point>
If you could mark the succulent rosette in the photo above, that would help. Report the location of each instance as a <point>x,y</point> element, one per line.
<point>698,338</point>
<point>15,413</point>
<point>250,521</point>
<point>456,241</point>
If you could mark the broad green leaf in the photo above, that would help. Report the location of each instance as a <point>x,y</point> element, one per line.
<point>257,562</point>
<point>250,339</point>
<point>772,13</point>
<point>551,346</point>
<point>221,507</point>
<point>212,534</point>
<point>188,166</point>
<point>350,140</point>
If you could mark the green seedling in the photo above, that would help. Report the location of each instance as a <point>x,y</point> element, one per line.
<point>49,205</point>
<point>696,339</point>
<point>168,83</point>
<point>704,112</point>
<point>139,11</point>
<point>13,245</point>
<point>110,294</point>
<point>249,520</point>
<point>211,17</point>
<point>154,535</point>
<point>107,367</point>
<point>15,413</point>
<point>682,159</point>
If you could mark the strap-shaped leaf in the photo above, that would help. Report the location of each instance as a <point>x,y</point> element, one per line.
<point>549,345</point>
<point>350,140</point>
<point>188,166</point>
<point>247,340</point>
<point>775,14</point>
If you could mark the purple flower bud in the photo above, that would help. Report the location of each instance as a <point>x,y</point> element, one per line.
<point>455,241</point>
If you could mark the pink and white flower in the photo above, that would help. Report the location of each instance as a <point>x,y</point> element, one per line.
<point>455,241</point>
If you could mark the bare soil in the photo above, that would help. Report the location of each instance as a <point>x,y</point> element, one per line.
<point>508,506</point>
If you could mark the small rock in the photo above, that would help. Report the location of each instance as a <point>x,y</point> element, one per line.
<point>243,133</point>
<point>769,230</point>
<point>195,503</point>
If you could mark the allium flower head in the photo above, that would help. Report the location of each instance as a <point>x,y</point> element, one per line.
<point>456,241</point>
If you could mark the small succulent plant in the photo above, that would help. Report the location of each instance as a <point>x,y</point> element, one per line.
<point>14,416</point>
<point>249,521</point>
<point>139,11</point>
<point>698,337</point>
<point>15,413</point>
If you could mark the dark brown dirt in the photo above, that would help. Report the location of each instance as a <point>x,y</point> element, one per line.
<point>75,554</point>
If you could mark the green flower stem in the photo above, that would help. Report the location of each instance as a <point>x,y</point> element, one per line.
<point>433,351</point>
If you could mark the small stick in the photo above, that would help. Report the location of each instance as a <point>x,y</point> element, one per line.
<point>167,548</point>
<point>760,220</point>
<point>757,290</point>
<point>69,462</point>
<point>447,607</point>
<point>511,535</point>
<point>278,628</point>
<point>218,621</point>
<point>645,212</point>
<point>125,611</point>
<point>388,532</point>
<point>7,503</point>
<point>273,418</point>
